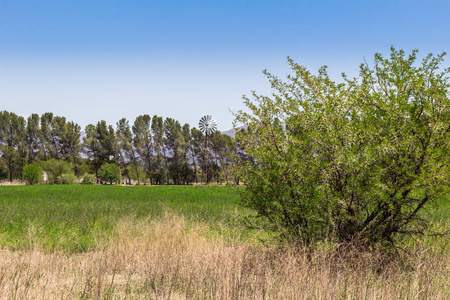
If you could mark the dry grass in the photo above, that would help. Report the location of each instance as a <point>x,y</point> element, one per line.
<point>171,259</point>
<point>15,182</point>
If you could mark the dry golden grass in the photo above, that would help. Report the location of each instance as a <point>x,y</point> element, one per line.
<point>171,259</point>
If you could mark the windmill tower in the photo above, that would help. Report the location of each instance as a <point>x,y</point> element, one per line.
<point>208,126</point>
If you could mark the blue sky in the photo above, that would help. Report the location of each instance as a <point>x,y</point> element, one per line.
<point>91,60</point>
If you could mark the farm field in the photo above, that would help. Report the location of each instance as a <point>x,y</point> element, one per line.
<point>185,242</point>
<point>80,217</point>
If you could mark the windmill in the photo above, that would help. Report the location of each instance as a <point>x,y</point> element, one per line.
<point>207,125</point>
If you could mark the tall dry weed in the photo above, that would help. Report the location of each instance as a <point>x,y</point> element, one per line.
<point>171,258</point>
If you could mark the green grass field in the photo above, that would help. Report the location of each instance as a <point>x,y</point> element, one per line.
<point>78,218</point>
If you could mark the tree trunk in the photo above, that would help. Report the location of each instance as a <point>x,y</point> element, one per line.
<point>137,174</point>
<point>195,170</point>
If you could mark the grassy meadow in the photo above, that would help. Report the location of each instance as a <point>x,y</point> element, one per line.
<point>81,217</point>
<point>185,242</point>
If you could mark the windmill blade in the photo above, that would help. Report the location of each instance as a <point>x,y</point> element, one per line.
<point>207,124</point>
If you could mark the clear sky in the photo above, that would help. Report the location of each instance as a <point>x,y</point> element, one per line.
<point>91,60</point>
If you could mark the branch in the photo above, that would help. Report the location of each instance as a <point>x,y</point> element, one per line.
<point>421,204</point>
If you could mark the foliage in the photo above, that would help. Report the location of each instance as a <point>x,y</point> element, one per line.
<point>143,143</point>
<point>197,149</point>
<point>3,172</point>
<point>88,179</point>
<point>133,172</point>
<point>356,161</point>
<point>100,144</point>
<point>55,168</point>
<point>32,173</point>
<point>59,138</point>
<point>109,173</point>
<point>13,143</point>
<point>177,146</point>
<point>223,146</point>
<point>67,179</point>
<point>166,151</point>
<point>32,137</point>
<point>81,166</point>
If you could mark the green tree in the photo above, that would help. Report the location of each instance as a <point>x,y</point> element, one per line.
<point>70,142</point>
<point>133,173</point>
<point>143,143</point>
<point>174,144</point>
<point>13,142</point>
<point>223,147</point>
<point>81,166</point>
<point>32,173</point>
<point>91,147</point>
<point>356,161</point>
<point>197,148</point>
<point>52,131</point>
<point>100,145</point>
<point>107,140</point>
<point>56,168</point>
<point>160,148</point>
<point>125,144</point>
<point>187,173</point>
<point>109,173</point>
<point>33,134</point>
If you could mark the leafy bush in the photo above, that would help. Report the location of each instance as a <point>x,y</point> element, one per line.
<point>130,173</point>
<point>32,173</point>
<point>88,179</point>
<point>56,168</point>
<point>353,162</point>
<point>67,179</point>
<point>109,173</point>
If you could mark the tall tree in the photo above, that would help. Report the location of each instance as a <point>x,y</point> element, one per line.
<point>33,140</point>
<point>186,153</point>
<point>52,130</point>
<point>222,149</point>
<point>174,141</point>
<point>70,141</point>
<point>160,149</point>
<point>13,142</point>
<point>91,147</point>
<point>143,142</point>
<point>106,137</point>
<point>197,149</point>
<point>100,144</point>
<point>125,144</point>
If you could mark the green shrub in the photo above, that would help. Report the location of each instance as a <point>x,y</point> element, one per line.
<point>109,173</point>
<point>56,168</point>
<point>88,179</point>
<point>67,179</point>
<point>357,161</point>
<point>32,174</point>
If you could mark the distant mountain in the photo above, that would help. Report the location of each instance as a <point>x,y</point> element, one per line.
<point>232,132</point>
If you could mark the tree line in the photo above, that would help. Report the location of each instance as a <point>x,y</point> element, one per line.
<point>150,150</point>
